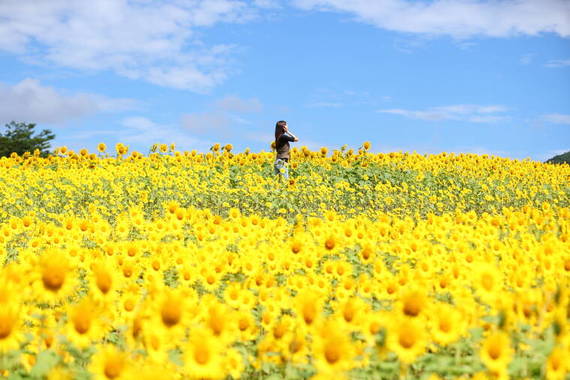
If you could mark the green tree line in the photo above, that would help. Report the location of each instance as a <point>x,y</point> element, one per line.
<point>20,137</point>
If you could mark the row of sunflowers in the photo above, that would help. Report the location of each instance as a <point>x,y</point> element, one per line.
<point>188,265</point>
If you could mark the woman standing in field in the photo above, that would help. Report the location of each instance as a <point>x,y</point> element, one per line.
<point>282,139</point>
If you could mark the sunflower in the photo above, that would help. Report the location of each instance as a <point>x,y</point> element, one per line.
<point>121,149</point>
<point>374,331</point>
<point>308,306</point>
<point>9,327</point>
<point>496,352</point>
<point>56,278</point>
<point>413,301</point>
<point>129,302</point>
<point>296,245</point>
<point>233,363</point>
<point>352,312</point>
<point>203,355</point>
<point>331,241</point>
<point>210,279</point>
<point>83,324</point>
<point>488,282</point>
<point>156,343</point>
<point>104,281</point>
<point>298,349</point>
<point>247,328</point>
<point>446,324</point>
<point>558,364</point>
<point>101,147</point>
<point>407,338</point>
<point>109,363</point>
<point>219,319</point>
<point>170,313</point>
<point>232,294</point>
<point>333,352</point>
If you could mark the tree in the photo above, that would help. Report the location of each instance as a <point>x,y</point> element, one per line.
<point>19,138</point>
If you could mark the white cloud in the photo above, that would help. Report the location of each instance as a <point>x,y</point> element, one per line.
<point>556,63</point>
<point>150,40</point>
<point>406,44</point>
<point>464,112</point>
<point>220,120</point>
<point>267,3</point>
<point>264,138</point>
<point>145,132</point>
<point>235,104</point>
<point>325,105</point>
<point>526,59</point>
<point>29,101</point>
<point>557,118</point>
<point>207,123</point>
<point>140,123</point>
<point>338,98</point>
<point>457,18</point>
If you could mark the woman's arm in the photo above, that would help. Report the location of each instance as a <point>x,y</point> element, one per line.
<point>295,138</point>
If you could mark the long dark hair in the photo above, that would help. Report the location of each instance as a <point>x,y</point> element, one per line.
<point>279,129</point>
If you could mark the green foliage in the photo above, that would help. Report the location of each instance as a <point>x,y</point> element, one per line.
<point>19,138</point>
<point>560,159</point>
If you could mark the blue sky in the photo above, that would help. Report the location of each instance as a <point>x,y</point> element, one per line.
<point>427,76</point>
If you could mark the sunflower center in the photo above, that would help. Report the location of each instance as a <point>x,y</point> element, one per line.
<point>201,356</point>
<point>243,324</point>
<point>348,314</point>
<point>137,327</point>
<point>81,322</point>
<point>309,313</point>
<point>444,325</point>
<point>332,353</point>
<point>412,307</point>
<point>171,313</point>
<point>129,305</point>
<point>555,362</point>
<point>279,331</point>
<point>295,346</point>
<point>374,327</point>
<point>217,323</point>
<point>104,282</point>
<point>296,248</point>
<point>127,272</point>
<point>6,325</point>
<point>487,282</point>
<point>53,278</point>
<point>113,368</point>
<point>407,339</point>
<point>495,351</point>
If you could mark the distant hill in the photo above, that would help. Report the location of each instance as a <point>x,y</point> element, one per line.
<point>561,158</point>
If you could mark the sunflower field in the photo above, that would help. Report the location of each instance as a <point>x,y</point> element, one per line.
<point>189,265</point>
